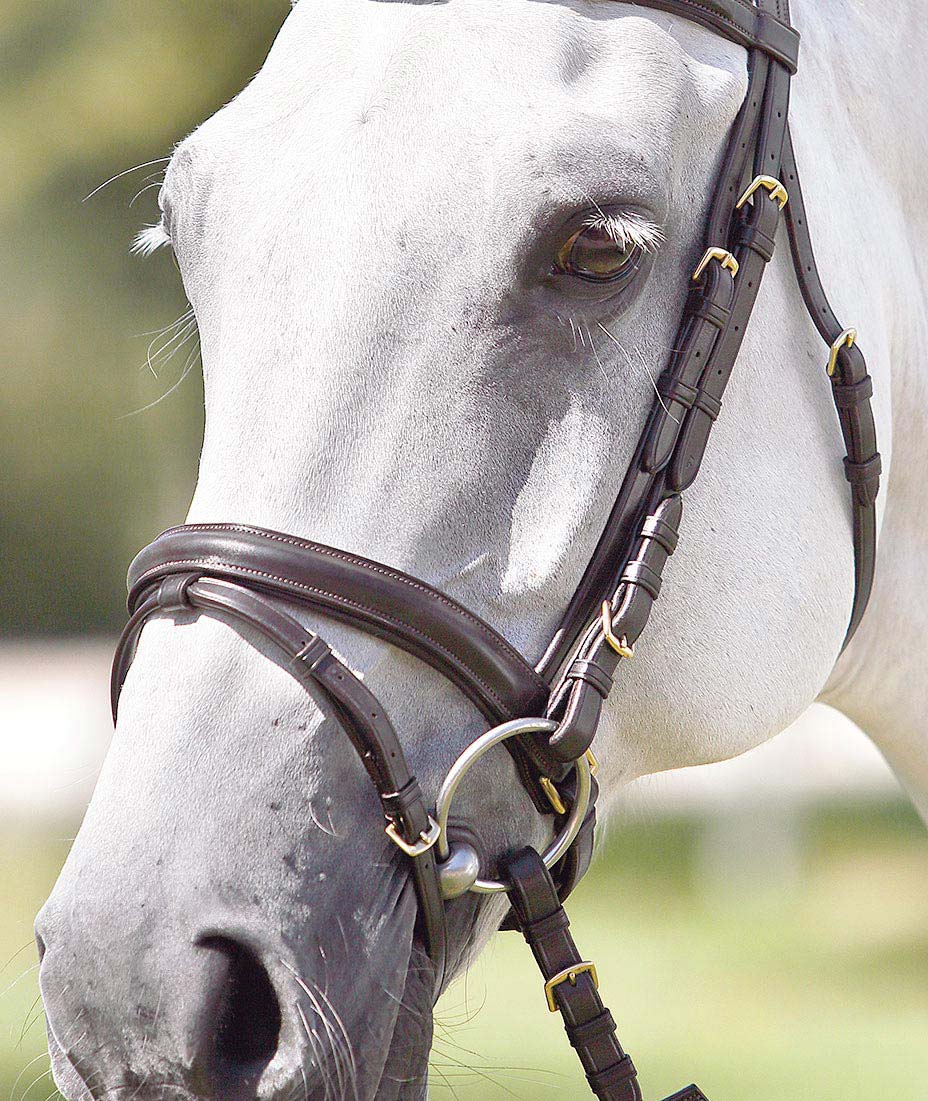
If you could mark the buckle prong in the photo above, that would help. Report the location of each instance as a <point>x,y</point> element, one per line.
<point>620,645</point>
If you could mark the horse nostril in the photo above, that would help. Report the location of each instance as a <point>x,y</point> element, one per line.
<point>248,1021</point>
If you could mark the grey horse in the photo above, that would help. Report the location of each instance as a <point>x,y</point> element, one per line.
<point>368,236</point>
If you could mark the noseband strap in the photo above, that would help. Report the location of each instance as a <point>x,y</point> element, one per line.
<point>254,578</point>
<point>309,660</point>
<point>369,595</point>
<point>378,599</point>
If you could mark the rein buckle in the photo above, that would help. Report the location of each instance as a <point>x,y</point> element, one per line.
<point>569,974</point>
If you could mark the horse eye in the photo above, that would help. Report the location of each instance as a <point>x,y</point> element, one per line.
<point>593,254</point>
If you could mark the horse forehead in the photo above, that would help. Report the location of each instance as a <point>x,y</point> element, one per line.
<point>512,40</point>
<point>380,85</point>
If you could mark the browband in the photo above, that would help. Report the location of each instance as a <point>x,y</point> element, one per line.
<point>740,21</point>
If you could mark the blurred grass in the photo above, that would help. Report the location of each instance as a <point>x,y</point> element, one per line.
<point>87,91</point>
<point>808,990</point>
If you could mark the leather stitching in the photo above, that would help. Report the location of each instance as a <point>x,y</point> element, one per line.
<point>749,29</point>
<point>207,565</point>
<point>750,11</point>
<point>496,640</point>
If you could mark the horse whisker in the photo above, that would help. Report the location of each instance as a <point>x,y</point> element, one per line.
<point>644,364</point>
<point>188,367</point>
<point>121,175</point>
<point>25,1070</point>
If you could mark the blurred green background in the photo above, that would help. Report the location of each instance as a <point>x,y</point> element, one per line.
<point>811,984</point>
<point>87,91</point>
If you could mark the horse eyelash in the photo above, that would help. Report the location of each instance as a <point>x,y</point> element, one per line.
<point>149,239</point>
<point>628,229</point>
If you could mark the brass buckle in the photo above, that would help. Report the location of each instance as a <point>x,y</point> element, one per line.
<point>620,645</point>
<point>724,257</point>
<point>777,191</point>
<point>427,839</point>
<point>554,796</point>
<point>846,340</point>
<point>569,974</point>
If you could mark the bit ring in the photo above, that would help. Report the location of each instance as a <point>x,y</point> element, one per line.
<point>559,846</point>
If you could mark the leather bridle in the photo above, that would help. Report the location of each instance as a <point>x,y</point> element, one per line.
<point>547,716</point>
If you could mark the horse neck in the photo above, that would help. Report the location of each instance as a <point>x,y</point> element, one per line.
<point>861,84</point>
<point>860,121</point>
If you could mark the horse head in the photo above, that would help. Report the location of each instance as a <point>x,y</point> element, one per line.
<point>437,255</point>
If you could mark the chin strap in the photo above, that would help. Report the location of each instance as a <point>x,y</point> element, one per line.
<point>571,983</point>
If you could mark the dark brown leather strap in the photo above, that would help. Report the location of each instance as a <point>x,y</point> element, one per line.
<point>386,602</point>
<point>310,661</point>
<point>852,389</point>
<point>710,335</point>
<point>571,983</point>
<point>715,319</point>
<point>740,21</point>
<point>568,872</point>
<point>578,701</point>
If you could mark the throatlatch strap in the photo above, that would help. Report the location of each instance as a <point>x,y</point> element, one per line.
<point>571,983</point>
<point>852,389</point>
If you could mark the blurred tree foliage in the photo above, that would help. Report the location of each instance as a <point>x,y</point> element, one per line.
<point>87,91</point>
